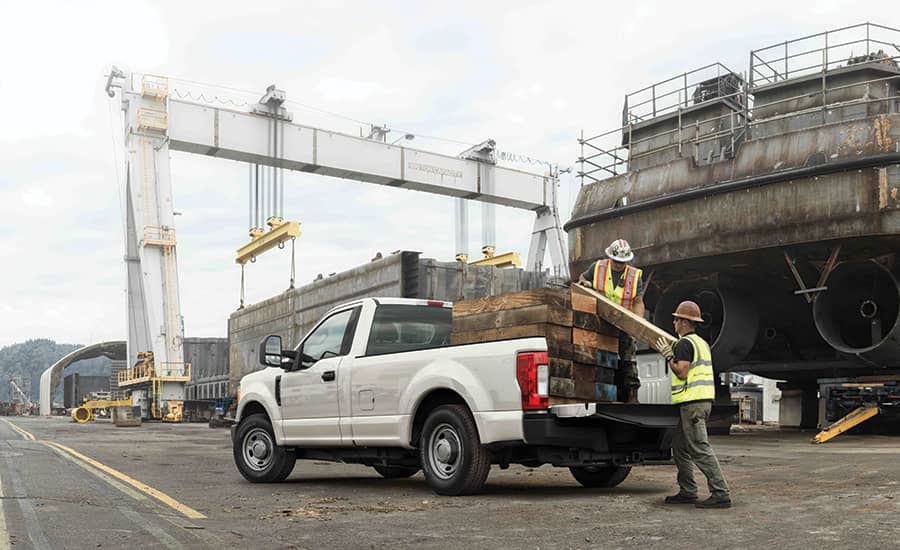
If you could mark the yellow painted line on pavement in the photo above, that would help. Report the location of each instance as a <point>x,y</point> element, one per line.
<point>99,475</point>
<point>25,434</point>
<point>4,534</point>
<point>185,510</point>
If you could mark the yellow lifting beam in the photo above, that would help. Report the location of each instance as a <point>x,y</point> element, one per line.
<point>510,259</point>
<point>279,234</point>
<point>85,413</point>
<point>854,418</point>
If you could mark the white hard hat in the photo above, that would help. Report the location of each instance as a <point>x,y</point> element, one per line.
<point>619,251</point>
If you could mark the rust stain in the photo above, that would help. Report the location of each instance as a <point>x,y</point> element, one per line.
<point>579,251</point>
<point>882,133</point>
<point>882,188</point>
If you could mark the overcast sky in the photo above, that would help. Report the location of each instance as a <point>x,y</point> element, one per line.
<point>529,74</point>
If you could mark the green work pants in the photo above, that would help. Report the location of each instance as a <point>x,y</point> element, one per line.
<point>629,374</point>
<point>690,446</point>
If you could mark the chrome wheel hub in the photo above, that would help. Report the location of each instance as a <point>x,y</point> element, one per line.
<point>257,449</point>
<point>444,451</point>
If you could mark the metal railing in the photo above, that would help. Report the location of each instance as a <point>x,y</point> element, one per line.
<point>818,53</point>
<point>680,92</point>
<point>609,153</point>
<point>599,159</point>
<point>159,235</point>
<point>143,372</point>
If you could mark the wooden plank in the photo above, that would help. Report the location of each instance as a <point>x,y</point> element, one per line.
<point>605,392</point>
<point>625,320</point>
<point>560,368</point>
<point>605,376</point>
<point>498,319</point>
<point>593,323</point>
<point>545,313</point>
<point>558,338</point>
<point>583,303</point>
<point>562,387</point>
<point>584,354</point>
<point>584,374</point>
<point>513,300</point>
<point>581,337</point>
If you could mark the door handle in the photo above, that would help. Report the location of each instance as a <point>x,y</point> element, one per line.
<point>328,376</point>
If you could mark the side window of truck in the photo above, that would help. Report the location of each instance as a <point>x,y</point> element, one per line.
<point>398,328</point>
<point>332,338</point>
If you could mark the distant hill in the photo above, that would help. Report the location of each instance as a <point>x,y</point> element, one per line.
<point>29,359</point>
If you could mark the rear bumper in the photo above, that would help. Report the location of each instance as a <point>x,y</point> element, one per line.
<point>619,433</point>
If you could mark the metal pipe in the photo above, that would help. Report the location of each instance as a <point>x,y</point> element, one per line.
<point>719,188</point>
<point>859,314</point>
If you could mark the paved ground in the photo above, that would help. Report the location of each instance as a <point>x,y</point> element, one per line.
<point>65,489</point>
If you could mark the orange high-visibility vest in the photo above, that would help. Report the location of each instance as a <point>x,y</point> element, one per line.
<point>603,281</point>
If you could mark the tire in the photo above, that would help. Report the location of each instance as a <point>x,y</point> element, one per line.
<point>395,472</point>
<point>600,476</point>
<point>453,459</point>
<point>256,455</point>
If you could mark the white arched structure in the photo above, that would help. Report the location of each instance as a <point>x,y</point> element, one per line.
<point>51,377</point>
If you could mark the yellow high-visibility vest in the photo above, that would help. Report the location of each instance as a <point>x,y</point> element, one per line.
<point>603,281</point>
<point>701,381</point>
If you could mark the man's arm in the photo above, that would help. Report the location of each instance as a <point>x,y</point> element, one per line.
<point>583,278</point>
<point>684,353</point>
<point>680,368</point>
<point>638,306</point>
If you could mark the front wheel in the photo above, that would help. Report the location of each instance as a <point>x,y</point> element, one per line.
<point>395,472</point>
<point>453,459</point>
<point>600,476</point>
<point>257,456</point>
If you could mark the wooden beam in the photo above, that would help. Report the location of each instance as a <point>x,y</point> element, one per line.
<point>634,325</point>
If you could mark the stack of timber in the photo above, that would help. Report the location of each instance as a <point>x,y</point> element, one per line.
<point>583,348</point>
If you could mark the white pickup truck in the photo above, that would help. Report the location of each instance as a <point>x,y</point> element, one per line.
<point>376,382</point>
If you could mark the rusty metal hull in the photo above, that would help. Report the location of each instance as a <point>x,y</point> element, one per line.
<point>728,225</point>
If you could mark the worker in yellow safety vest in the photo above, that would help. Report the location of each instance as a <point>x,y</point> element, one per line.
<point>621,282</point>
<point>693,389</point>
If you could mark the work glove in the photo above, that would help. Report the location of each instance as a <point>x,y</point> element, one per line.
<point>664,346</point>
<point>584,283</point>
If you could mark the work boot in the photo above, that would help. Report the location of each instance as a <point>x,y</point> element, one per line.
<point>715,502</point>
<point>632,396</point>
<point>681,499</point>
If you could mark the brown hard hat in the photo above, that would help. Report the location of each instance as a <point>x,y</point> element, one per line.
<point>688,310</point>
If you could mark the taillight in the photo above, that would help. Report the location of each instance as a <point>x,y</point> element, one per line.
<point>533,374</point>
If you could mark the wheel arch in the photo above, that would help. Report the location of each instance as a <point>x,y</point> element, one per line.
<point>429,402</point>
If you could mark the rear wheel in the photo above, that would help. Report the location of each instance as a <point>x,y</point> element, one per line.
<point>600,476</point>
<point>395,472</point>
<point>453,459</point>
<point>257,456</point>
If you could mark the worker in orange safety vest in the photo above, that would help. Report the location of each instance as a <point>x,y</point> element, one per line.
<point>621,282</point>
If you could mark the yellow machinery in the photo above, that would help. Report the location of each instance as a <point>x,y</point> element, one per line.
<point>854,418</point>
<point>90,407</point>
<point>147,376</point>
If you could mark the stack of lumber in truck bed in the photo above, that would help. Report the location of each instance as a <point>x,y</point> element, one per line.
<point>583,348</point>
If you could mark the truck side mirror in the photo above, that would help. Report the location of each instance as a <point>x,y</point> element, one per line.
<point>270,353</point>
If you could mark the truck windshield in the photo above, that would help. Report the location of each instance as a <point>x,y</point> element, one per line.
<point>398,328</point>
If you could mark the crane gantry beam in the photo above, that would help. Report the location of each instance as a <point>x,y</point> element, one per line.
<point>155,123</point>
<point>242,136</point>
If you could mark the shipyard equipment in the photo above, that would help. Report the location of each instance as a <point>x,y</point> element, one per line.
<point>771,198</point>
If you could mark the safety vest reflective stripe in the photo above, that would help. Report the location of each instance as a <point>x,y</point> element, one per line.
<point>603,282</point>
<point>693,384</point>
<point>701,381</point>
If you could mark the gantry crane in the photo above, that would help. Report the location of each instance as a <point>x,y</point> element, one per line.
<point>265,136</point>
